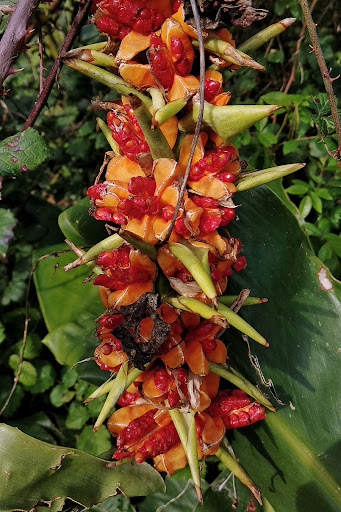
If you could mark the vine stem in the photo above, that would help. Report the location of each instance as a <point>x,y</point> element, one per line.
<point>84,6</point>
<point>13,40</point>
<point>324,72</point>
<point>199,120</point>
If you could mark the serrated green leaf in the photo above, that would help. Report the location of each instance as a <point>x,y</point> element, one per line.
<point>34,472</point>
<point>22,152</point>
<point>45,377</point>
<point>32,346</point>
<point>7,224</point>
<point>94,443</point>
<point>77,416</point>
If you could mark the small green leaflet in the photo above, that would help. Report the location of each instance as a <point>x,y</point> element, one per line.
<point>22,152</point>
<point>322,115</point>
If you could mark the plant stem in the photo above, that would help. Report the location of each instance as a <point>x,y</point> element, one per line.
<point>324,72</point>
<point>84,6</point>
<point>199,119</point>
<point>13,40</point>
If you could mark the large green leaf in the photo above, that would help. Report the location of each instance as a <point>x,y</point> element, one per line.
<point>35,475</point>
<point>295,454</point>
<point>70,308</point>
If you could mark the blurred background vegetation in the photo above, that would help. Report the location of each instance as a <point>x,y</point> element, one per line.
<point>32,202</point>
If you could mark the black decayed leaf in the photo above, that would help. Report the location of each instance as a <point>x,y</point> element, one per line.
<point>139,350</point>
<point>215,14</point>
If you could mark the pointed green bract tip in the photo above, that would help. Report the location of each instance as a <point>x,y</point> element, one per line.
<point>254,179</point>
<point>229,120</point>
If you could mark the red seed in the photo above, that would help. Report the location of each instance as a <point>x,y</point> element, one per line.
<point>204,202</point>
<point>106,349</point>
<point>140,186</point>
<point>180,228</point>
<point>226,176</point>
<point>96,191</point>
<point>208,223</point>
<point>240,263</point>
<point>227,214</point>
<point>211,89</point>
<point>167,212</point>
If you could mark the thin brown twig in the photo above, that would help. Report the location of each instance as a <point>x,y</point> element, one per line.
<point>84,6</point>
<point>297,51</point>
<point>199,120</point>
<point>27,319</point>
<point>324,72</point>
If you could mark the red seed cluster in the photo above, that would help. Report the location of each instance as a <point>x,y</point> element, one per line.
<point>127,132</point>
<point>118,17</point>
<point>213,162</point>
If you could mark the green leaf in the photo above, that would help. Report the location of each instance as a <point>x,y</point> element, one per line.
<point>7,224</point>
<point>79,227</point>
<point>305,206</point>
<point>77,416</point>
<point>28,374</point>
<point>117,503</point>
<point>323,193</point>
<point>94,442</point>
<point>266,138</point>
<point>22,152</point>
<point>316,201</point>
<point>62,295</point>
<point>61,395</point>
<point>289,146</point>
<point>311,229</point>
<point>335,242</point>
<point>294,455</point>
<point>35,474</point>
<point>297,189</point>
<point>69,308</point>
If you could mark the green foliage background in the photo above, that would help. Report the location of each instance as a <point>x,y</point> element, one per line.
<point>47,402</point>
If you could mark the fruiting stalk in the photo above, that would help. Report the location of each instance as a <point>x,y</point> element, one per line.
<point>254,179</point>
<point>184,423</point>
<point>108,244</point>
<point>105,77</point>
<point>195,267</point>
<point>119,385</point>
<point>107,134</point>
<point>265,35</point>
<point>232,464</point>
<point>105,388</point>
<point>227,300</point>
